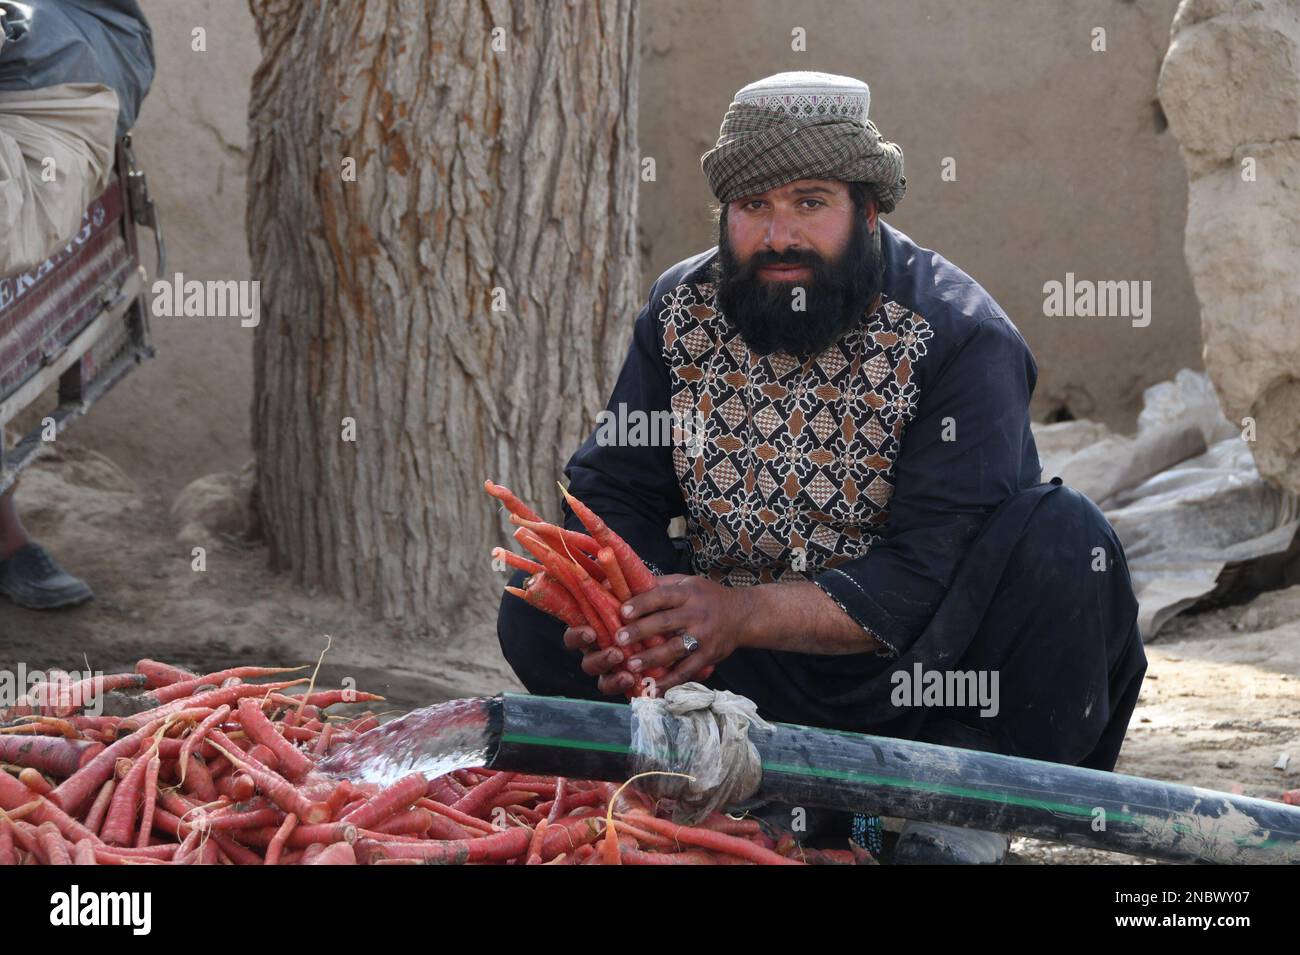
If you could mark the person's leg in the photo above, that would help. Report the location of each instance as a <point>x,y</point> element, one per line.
<point>29,576</point>
<point>1061,637</point>
<point>1043,603</point>
<point>1058,630</point>
<point>12,533</point>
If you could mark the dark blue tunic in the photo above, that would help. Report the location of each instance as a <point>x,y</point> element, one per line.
<point>897,471</point>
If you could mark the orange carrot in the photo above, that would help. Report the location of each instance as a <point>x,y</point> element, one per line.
<point>548,603</point>
<point>613,573</point>
<point>515,560</point>
<point>561,538</point>
<point>544,593</point>
<point>512,503</point>
<point>150,801</point>
<point>409,822</point>
<point>33,780</point>
<point>49,754</point>
<point>566,547</point>
<point>119,823</point>
<point>207,701</point>
<point>566,574</point>
<point>275,847</point>
<point>293,762</point>
<point>635,572</point>
<point>534,854</point>
<point>236,786</point>
<point>708,839</point>
<point>198,733</point>
<point>652,839</point>
<point>185,852</point>
<point>324,741</point>
<point>721,822</point>
<point>362,724</point>
<point>301,837</point>
<point>264,755</point>
<point>83,853</point>
<point>497,847</point>
<point>198,780</point>
<point>237,853</point>
<point>327,698</point>
<point>177,690</point>
<point>608,615</point>
<point>609,847</point>
<point>689,857</point>
<point>52,844</point>
<point>278,789</point>
<point>479,799</point>
<point>512,797</point>
<point>113,855</point>
<point>340,853</point>
<point>567,834</point>
<point>95,818</point>
<point>14,795</point>
<point>23,834</point>
<point>73,697</point>
<point>455,815</point>
<point>390,801</point>
<point>162,674</point>
<point>248,819</point>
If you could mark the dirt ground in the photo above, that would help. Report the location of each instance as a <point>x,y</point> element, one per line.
<point>1220,705</point>
<point>149,601</point>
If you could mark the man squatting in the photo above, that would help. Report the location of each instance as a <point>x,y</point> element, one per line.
<point>867,495</point>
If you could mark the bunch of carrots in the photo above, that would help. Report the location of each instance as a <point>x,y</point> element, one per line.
<point>211,769</point>
<point>581,579</point>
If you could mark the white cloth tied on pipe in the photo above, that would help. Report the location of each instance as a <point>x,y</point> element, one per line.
<point>703,733</point>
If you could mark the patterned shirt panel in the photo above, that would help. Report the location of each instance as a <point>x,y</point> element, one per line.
<point>794,472</point>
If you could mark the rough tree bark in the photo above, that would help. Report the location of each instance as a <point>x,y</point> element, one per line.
<point>477,168</point>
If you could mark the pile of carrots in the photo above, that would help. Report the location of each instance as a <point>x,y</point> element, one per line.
<point>581,579</point>
<point>212,769</point>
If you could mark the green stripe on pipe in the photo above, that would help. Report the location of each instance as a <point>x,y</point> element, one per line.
<point>944,789</point>
<point>790,769</point>
<point>559,743</point>
<point>1001,798</point>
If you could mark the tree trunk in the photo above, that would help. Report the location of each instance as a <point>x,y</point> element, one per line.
<point>484,176</point>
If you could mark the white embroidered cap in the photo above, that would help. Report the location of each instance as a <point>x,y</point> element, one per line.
<point>805,93</point>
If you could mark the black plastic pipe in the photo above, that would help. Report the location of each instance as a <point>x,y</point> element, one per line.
<point>803,766</point>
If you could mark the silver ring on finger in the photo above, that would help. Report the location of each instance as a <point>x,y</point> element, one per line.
<point>689,643</point>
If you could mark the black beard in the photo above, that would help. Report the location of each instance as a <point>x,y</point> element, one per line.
<point>835,299</point>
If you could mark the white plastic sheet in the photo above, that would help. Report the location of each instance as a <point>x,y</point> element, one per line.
<point>1181,521</point>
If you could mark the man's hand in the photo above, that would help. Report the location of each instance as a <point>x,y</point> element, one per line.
<point>797,617</point>
<point>599,663</point>
<point>716,616</point>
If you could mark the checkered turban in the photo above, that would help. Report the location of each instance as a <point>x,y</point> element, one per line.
<point>802,126</point>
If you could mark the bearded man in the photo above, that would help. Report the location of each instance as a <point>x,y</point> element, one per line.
<point>862,500</point>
